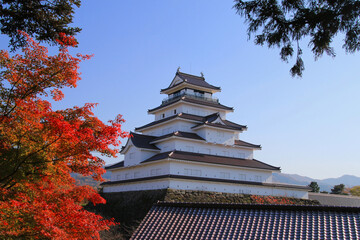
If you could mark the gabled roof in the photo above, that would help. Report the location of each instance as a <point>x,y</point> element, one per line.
<point>214,120</point>
<point>180,115</point>
<point>189,99</point>
<point>212,159</point>
<point>167,220</point>
<point>116,165</point>
<point>181,135</point>
<point>246,144</point>
<point>141,141</point>
<point>201,120</point>
<point>191,79</point>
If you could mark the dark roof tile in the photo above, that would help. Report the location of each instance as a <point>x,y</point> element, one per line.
<point>180,134</point>
<point>143,141</point>
<point>206,158</point>
<point>246,144</point>
<point>116,165</point>
<point>243,221</point>
<point>193,80</point>
<point>195,101</point>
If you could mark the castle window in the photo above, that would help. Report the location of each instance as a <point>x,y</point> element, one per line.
<point>174,111</point>
<point>242,177</point>
<point>163,115</point>
<point>258,178</point>
<point>224,175</point>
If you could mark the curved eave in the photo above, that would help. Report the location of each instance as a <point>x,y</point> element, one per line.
<point>186,101</point>
<point>224,127</point>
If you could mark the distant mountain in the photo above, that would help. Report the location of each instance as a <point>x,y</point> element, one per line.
<point>87,180</point>
<point>324,184</point>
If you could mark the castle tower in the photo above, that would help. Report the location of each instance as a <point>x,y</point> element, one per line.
<point>191,145</point>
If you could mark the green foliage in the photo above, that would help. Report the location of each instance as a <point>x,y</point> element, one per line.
<point>285,23</point>
<point>338,189</point>
<point>43,20</point>
<point>314,186</point>
<point>355,191</point>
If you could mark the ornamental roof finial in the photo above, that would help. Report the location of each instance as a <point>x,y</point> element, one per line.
<point>178,69</point>
<point>202,74</point>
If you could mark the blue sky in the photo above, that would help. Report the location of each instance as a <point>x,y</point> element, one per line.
<point>307,126</point>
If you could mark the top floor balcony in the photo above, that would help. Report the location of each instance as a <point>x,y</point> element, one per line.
<point>197,96</point>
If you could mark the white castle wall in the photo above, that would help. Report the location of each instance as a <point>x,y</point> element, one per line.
<point>135,156</point>
<point>205,148</point>
<point>188,168</point>
<point>169,127</point>
<point>219,172</point>
<point>140,171</point>
<point>188,108</point>
<point>206,186</point>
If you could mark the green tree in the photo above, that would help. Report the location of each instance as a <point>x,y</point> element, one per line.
<point>43,20</point>
<point>355,191</point>
<point>314,186</point>
<point>285,23</point>
<point>338,189</point>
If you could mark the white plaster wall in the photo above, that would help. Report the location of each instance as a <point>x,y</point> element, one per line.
<point>135,155</point>
<point>221,172</point>
<point>140,171</point>
<point>188,108</point>
<point>218,136</point>
<point>170,127</point>
<point>206,186</point>
<point>205,148</point>
<point>160,184</point>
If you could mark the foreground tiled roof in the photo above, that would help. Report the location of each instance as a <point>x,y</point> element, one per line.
<point>194,80</point>
<point>206,158</point>
<point>242,221</point>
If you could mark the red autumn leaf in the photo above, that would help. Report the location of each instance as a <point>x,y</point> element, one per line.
<point>40,147</point>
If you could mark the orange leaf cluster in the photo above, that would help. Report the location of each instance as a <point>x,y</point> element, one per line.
<point>40,147</point>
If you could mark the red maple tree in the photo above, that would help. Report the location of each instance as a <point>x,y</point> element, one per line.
<point>40,147</point>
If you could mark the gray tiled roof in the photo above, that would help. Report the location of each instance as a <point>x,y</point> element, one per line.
<point>143,141</point>
<point>192,100</point>
<point>181,135</point>
<point>206,158</point>
<point>242,221</point>
<point>201,120</point>
<point>193,80</point>
<point>116,165</point>
<point>335,199</point>
<point>246,144</point>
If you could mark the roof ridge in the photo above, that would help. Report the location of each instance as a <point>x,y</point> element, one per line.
<point>282,207</point>
<point>179,73</point>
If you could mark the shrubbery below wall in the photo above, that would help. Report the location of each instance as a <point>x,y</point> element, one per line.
<point>129,208</point>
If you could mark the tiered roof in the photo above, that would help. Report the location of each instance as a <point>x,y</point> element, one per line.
<point>193,80</point>
<point>207,120</point>
<point>212,159</point>
<point>192,100</point>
